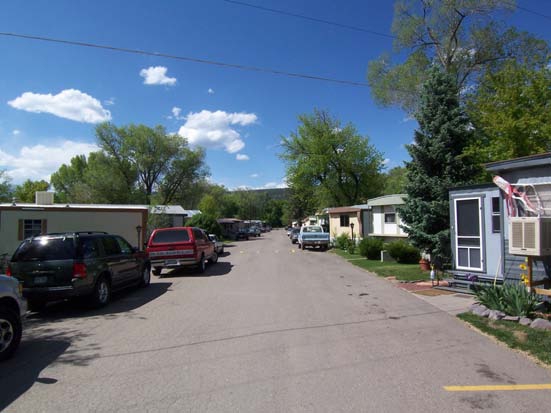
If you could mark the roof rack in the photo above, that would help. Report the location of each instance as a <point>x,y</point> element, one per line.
<point>76,233</point>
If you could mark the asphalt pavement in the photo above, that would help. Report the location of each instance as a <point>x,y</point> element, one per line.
<point>269,328</point>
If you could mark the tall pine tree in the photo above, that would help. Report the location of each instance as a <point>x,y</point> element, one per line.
<point>437,164</point>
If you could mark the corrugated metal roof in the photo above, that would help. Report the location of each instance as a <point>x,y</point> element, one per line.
<point>168,209</point>
<point>394,199</point>
<point>74,206</point>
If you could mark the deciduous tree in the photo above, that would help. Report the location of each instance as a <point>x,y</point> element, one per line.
<point>330,164</point>
<point>461,36</point>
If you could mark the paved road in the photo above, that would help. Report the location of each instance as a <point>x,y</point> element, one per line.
<point>269,329</point>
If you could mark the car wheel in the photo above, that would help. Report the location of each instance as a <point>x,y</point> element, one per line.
<point>36,305</point>
<point>222,251</point>
<point>146,277</point>
<point>214,258</point>
<point>201,266</point>
<point>157,270</point>
<point>10,332</point>
<point>102,293</point>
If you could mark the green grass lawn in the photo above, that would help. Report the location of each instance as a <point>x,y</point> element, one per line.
<point>403,272</point>
<point>533,341</point>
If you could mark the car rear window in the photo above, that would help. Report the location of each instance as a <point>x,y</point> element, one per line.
<point>176,235</point>
<point>45,249</point>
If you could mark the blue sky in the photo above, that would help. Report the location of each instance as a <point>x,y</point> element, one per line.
<point>52,95</point>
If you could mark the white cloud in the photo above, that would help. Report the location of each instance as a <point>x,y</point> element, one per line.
<point>272,185</point>
<point>16,132</point>
<point>40,161</point>
<point>176,112</point>
<point>242,157</point>
<point>254,175</point>
<point>215,129</point>
<point>210,91</point>
<point>109,102</point>
<point>385,161</point>
<point>69,104</point>
<point>156,75</point>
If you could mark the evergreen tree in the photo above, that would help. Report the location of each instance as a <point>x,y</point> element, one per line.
<point>437,164</point>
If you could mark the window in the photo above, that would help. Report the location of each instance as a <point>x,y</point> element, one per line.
<point>88,248</point>
<point>496,214</point>
<point>31,228</point>
<point>390,218</point>
<point>125,247</point>
<point>110,246</point>
<point>345,220</point>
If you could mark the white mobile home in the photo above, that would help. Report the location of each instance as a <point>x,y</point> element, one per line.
<point>22,220</point>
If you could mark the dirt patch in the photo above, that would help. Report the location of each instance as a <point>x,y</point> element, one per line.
<point>520,336</point>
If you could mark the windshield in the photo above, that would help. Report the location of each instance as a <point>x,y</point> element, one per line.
<point>312,229</point>
<point>176,235</point>
<point>45,249</point>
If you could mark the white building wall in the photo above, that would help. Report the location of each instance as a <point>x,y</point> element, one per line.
<point>122,223</point>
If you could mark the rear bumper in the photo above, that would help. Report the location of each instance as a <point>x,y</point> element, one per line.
<point>174,262</point>
<point>314,242</point>
<point>54,293</point>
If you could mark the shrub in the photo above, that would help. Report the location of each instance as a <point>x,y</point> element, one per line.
<point>206,222</point>
<point>342,242</point>
<point>371,248</point>
<point>351,247</point>
<point>403,252</point>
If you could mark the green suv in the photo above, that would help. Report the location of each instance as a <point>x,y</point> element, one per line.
<point>78,264</point>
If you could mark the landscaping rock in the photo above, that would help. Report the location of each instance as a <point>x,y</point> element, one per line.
<point>525,321</point>
<point>541,324</point>
<point>475,306</point>
<point>511,318</point>
<point>496,315</point>
<point>481,311</point>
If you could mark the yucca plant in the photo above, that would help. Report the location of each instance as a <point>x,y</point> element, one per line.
<point>489,296</point>
<point>517,300</point>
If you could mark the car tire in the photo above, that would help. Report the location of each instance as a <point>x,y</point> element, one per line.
<point>201,266</point>
<point>102,293</point>
<point>222,251</point>
<point>213,258</point>
<point>36,305</point>
<point>10,332</point>
<point>157,270</point>
<point>145,279</point>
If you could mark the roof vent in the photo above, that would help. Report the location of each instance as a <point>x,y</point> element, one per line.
<point>44,198</point>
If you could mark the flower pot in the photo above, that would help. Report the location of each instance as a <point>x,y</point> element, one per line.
<point>424,265</point>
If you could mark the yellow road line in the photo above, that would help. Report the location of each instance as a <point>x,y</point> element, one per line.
<point>505,387</point>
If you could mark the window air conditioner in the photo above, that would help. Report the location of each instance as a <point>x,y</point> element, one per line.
<point>530,236</point>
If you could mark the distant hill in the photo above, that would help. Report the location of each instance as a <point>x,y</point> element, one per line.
<point>274,193</point>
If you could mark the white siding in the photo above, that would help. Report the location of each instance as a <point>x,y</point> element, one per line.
<point>123,223</point>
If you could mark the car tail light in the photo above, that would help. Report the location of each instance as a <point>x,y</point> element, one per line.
<point>8,271</point>
<point>79,270</point>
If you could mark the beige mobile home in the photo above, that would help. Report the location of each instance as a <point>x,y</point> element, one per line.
<point>19,221</point>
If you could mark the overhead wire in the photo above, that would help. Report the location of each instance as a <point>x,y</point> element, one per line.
<point>184,58</point>
<point>314,19</point>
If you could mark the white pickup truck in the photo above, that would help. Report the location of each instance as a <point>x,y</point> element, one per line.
<point>313,236</point>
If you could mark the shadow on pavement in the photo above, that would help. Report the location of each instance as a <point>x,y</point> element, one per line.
<point>213,270</point>
<point>122,302</point>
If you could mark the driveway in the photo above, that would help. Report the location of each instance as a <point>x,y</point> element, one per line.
<point>269,328</point>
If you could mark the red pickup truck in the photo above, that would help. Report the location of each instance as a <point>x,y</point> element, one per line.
<point>178,247</point>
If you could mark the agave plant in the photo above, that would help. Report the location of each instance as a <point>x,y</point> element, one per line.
<point>517,300</point>
<point>489,296</point>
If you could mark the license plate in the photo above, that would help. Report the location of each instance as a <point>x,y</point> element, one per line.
<point>172,262</point>
<point>40,280</point>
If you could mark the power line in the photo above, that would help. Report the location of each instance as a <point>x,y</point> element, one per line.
<point>314,19</point>
<point>533,12</point>
<point>185,58</point>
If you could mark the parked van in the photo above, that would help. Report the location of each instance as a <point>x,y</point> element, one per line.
<point>179,247</point>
